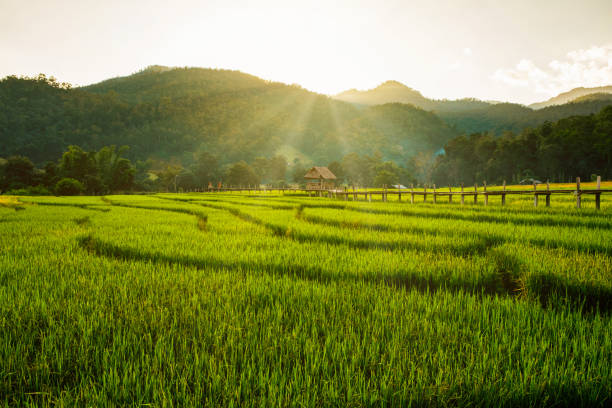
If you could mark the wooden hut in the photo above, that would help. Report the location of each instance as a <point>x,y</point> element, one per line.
<point>320,178</point>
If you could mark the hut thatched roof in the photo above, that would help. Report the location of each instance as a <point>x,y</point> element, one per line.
<point>320,173</point>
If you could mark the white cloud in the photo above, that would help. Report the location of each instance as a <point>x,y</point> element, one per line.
<point>588,67</point>
<point>510,77</point>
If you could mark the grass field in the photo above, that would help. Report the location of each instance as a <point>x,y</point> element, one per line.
<point>286,300</point>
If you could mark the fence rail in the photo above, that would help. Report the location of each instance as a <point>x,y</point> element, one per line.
<point>435,193</point>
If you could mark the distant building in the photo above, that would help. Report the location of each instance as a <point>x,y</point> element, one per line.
<point>320,178</point>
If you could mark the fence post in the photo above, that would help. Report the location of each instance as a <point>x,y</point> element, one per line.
<point>412,194</point>
<point>547,193</point>
<point>424,193</point>
<point>535,194</point>
<point>462,196</point>
<point>345,194</point>
<point>434,194</point>
<point>475,193</point>
<point>399,193</point>
<point>486,196</point>
<point>504,194</point>
<point>598,195</point>
<point>578,194</point>
<point>354,194</point>
<point>450,195</point>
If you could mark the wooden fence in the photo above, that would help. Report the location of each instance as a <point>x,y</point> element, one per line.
<point>435,193</point>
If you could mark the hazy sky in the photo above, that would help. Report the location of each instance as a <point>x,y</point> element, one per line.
<point>519,50</point>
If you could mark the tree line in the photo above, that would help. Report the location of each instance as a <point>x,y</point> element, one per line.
<point>76,172</point>
<point>108,171</point>
<point>207,171</point>
<point>578,146</point>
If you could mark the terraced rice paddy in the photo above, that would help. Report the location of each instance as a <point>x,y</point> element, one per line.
<point>282,300</point>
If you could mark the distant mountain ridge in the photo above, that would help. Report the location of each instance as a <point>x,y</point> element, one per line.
<point>573,95</point>
<point>396,92</point>
<point>387,92</point>
<point>173,113</point>
<point>473,115</point>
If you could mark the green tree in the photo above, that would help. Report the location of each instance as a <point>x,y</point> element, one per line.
<point>2,164</point>
<point>186,180</point>
<point>18,172</point>
<point>298,170</point>
<point>51,174</point>
<point>115,172</point>
<point>144,178</point>
<point>260,166</point>
<point>80,165</point>
<point>69,187</point>
<point>277,169</point>
<point>354,168</point>
<point>385,178</point>
<point>167,177</point>
<point>422,165</point>
<point>336,168</point>
<point>122,177</point>
<point>241,174</point>
<point>206,169</point>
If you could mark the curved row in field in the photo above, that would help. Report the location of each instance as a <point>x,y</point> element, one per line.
<point>503,260</point>
<point>261,300</point>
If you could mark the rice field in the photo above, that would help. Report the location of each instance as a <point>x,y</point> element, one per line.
<point>288,300</point>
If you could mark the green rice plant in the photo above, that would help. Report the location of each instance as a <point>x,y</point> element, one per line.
<point>303,301</point>
<point>82,220</point>
<point>11,202</point>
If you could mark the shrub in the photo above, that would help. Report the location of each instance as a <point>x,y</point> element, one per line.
<point>69,186</point>
<point>29,191</point>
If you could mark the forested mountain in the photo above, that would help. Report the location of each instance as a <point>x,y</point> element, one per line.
<point>394,91</point>
<point>472,115</point>
<point>558,151</point>
<point>387,92</point>
<point>176,113</point>
<point>156,82</point>
<point>512,117</point>
<point>600,96</point>
<point>572,96</point>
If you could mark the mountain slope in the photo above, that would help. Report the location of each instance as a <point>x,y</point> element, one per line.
<point>558,151</point>
<point>511,117</point>
<point>165,113</point>
<point>387,92</point>
<point>173,113</point>
<point>396,92</point>
<point>155,82</point>
<point>571,96</point>
<point>472,115</point>
<point>600,96</point>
